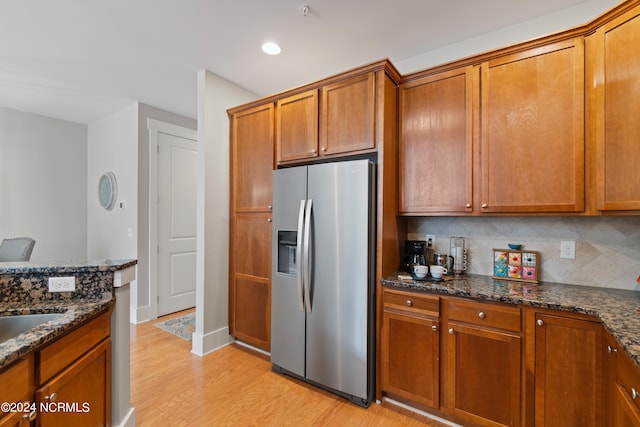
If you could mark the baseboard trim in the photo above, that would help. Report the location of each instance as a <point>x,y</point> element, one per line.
<point>419,412</point>
<point>210,342</point>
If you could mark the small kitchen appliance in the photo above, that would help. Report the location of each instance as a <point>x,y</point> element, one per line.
<point>414,251</point>
<point>457,249</point>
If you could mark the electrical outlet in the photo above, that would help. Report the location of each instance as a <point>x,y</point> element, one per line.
<point>431,239</point>
<point>62,284</point>
<point>568,249</point>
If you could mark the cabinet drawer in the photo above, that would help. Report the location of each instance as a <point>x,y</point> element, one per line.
<point>490,315</point>
<point>58,355</point>
<point>412,302</point>
<point>628,377</point>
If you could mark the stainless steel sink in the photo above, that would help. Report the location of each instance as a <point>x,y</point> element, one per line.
<point>12,326</point>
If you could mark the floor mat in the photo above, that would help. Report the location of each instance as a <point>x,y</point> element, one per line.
<point>182,326</point>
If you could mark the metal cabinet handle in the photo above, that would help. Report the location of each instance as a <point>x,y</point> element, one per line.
<point>324,149</point>
<point>468,205</point>
<point>634,393</point>
<point>409,303</point>
<point>482,315</point>
<point>269,219</point>
<point>313,151</point>
<point>434,328</point>
<point>450,331</point>
<point>270,207</point>
<point>612,349</point>
<point>540,322</point>
<point>30,416</point>
<point>52,397</point>
<point>485,206</point>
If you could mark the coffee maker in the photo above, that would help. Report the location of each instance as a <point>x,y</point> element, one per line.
<point>414,254</point>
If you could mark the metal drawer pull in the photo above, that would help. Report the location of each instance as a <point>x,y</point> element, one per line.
<point>482,315</point>
<point>634,393</point>
<point>612,349</point>
<point>450,331</point>
<point>540,322</point>
<point>434,328</point>
<point>30,416</point>
<point>52,397</point>
<point>409,303</point>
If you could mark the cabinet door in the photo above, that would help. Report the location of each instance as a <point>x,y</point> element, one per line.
<point>252,138</point>
<point>410,358</point>
<point>484,375</point>
<point>297,127</point>
<point>625,412</point>
<point>568,366</point>
<point>617,110</point>
<point>250,298</point>
<point>532,109</point>
<point>16,386</point>
<point>81,394</point>
<point>348,115</point>
<point>436,143</point>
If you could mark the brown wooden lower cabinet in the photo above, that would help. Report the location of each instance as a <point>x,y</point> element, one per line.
<point>16,387</point>
<point>492,364</point>
<point>484,357</point>
<point>410,343</point>
<point>484,370</point>
<point>568,371</point>
<point>80,394</point>
<point>626,396</point>
<point>64,383</point>
<point>250,290</point>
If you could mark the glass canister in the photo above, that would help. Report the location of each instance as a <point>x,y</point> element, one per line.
<point>458,250</point>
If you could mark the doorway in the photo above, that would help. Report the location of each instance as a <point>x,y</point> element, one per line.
<point>172,224</point>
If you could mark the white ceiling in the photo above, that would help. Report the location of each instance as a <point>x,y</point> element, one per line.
<point>81,60</point>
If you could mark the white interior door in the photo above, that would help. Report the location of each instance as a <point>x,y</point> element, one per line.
<point>176,219</point>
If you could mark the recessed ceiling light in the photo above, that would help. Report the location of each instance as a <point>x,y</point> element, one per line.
<point>271,48</point>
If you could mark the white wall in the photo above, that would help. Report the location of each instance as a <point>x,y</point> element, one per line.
<point>43,184</point>
<point>113,147</point>
<point>547,24</point>
<point>215,96</point>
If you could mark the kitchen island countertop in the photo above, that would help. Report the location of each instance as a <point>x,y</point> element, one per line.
<point>23,290</point>
<point>619,310</point>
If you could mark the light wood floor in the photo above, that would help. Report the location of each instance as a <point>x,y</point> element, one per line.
<point>170,386</point>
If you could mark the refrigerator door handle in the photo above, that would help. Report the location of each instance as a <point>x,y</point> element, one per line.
<point>300,256</point>
<point>307,255</point>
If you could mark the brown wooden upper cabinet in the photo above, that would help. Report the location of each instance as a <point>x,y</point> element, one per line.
<point>615,91</point>
<point>337,119</point>
<point>436,143</point>
<point>252,158</point>
<point>297,127</point>
<point>532,130</point>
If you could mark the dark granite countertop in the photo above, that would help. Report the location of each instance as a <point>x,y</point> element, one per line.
<point>73,313</point>
<point>11,268</point>
<point>24,290</point>
<point>619,310</point>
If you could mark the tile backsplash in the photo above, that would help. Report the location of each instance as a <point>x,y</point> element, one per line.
<point>607,248</point>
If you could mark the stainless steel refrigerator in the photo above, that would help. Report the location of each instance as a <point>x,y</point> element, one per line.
<point>323,280</point>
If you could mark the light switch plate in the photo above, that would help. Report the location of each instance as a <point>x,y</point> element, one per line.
<point>62,284</point>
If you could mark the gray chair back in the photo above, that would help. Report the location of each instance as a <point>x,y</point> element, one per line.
<point>16,249</point>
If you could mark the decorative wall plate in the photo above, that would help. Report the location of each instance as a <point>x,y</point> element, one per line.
<point>108,190</point>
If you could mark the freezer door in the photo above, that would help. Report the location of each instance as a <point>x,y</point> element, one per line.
<point>287,312</point>
<point>338,325</point>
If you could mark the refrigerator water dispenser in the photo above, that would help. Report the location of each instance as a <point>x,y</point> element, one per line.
<point>287,245</point>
